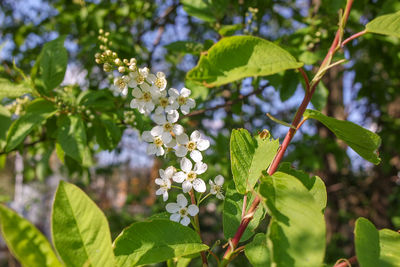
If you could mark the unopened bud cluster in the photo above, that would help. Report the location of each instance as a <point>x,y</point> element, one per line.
<point>251,16</point>
<point>164,106</point>
<point>17,107</point>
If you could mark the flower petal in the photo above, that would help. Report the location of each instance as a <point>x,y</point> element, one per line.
<point>203,144</point>
<point>186,186</point>
<point>200,167</point>
<point>179,177</point>
<point>185,109</point>
<point>196,156</point>
<point>181,151</point>
<point>172,207</point>
<point>196,135</point>
<point>193,210</point>
<point>175,217</point>
<point>182,139</point>
<point>159,119</point>
<point>151,149</point>
<point>165,195</point>
<point>186,165</point>
<point>181,200</point>
<point>199,185</point>
<point>185,92</point>
<point>159,181</point>
<point>178,129</point>
<point>173,92</point>
<point>173,116</point>
<point>157,130</point>
<point>137,93</point>
<point>219,180</point>
<point>146,136</point>
<point>185,221</point>
<point>166,137</point>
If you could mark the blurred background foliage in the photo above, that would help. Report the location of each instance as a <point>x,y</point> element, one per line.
<point>169,36</point>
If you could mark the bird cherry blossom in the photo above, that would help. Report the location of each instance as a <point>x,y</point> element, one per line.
<point>188,177</point>
<point>121,85</point>
<point>182,99</point>
<point>194,145</point>
<point>158,80</point>
<point>164,181</point>
<point>138,77</point>
<point>216,186</point>
<point>180,212</point>
<point>166,126</point>
<point>157,142</point>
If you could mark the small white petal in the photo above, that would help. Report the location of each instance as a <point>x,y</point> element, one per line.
<point>181,151</point>
<point>159,181</point>
<point>193,210</point>
<point>182,139</point>
<point>137,93</point>
<point>166,137</point>
<point>151,149</point>
<point>160,191</point>
<point>157,130</point>
<point>190,103</point>
<point>160,151</point>
<point>185,92</point>
<point>200,167</point>
<point>179,177</point>
<point>220,196</point>
<point>178,129</point>
<point>196,156</point>
<point>186,186</point>
<point>219,180</point>
<point>173,92</point>
<point>171,143</point>
<point>175,217</point>
<point>146,136</point>
<point>186,165</point>
<point>195,136</point>
<point>165,196</point>
<point>199,185</point>
<point>203,144</point>
<point>185,109</point>
<point>173,116</point>
<point>172,207</point>
<point>185,221</point>
<point>169,172</point>
<point>159,119</point>
<point>159,110</point>
<point>181,200</point>
<point>125,91</point>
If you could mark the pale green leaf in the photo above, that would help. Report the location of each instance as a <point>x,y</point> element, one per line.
<point>297,228</point>
<point>50,66</point>
<point>5,122</point>
<point>80,230</point>
<point>232,215</point>
<point>36,113</point>
<point>376,248</point>
<point>155,241</point>
<point>228,30</point>
<point>387,24</point>
<point>25,241</point>
<point>249,157</point>
<point>189,47</point>
<point>258,252</point>
<point>13,90</point>
<point>72,138</point>
<point>234,58</point>
<point>362,141</point>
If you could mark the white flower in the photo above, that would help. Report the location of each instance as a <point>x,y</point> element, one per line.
<point>182,99</point>
<point>180,212</point>
<point>164,182</point>
<point>165,104</point>
<point>194,145</point>
<point>216,186</point>
<point>121,85</point>
<point>158,80</point>
<point>138,77</point>
<point>157,142</point>
<point>166,125</point>
<point>144,99</point>
<point>188,177</point>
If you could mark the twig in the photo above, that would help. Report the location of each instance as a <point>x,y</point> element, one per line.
<point>354,36</point>
<point>346,263</point>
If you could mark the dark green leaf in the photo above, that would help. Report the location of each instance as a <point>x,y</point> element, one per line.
<point>5,122</point>
<point>232,214</point>
<point>361,140</point>
<point>237,57</point>
<point>50,66</point>
<point>249,157</point>
<point>155,241</point>
<point>387,24</point>
<point>25,241</point>
<point>36,113</point>
<point>297,228</point>
<point>80,230</point>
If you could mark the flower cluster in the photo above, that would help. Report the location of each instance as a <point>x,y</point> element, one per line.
<point>164,106</point>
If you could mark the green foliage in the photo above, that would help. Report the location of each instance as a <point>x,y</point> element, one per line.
<point>297,227</point>
<point>320,96</point>
<point>207,10</point>
<point>228,30</point>
<point>376,248</point>
<point>155,241</point>
<point>362,141</point>
<point>12,90</point>
<point>232,214</point>
<point>237,57</point>
<point>36,114</point>
<point>249,157</point>
<point>5,122</point>
<point>386,24</point>
<point>50,66</point>
<point>72,138</point>
<point>187,47</point>
<point>80,230</point>
<point>25,241</point>
<point>258,252</point>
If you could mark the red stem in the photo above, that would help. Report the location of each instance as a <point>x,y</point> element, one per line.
<point>354,36</point>
<point>352,260</point>
<point>291,132</point>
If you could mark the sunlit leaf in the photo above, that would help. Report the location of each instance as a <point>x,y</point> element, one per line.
<point>387,24</point>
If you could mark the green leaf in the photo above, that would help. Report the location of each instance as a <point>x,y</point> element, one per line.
<point>320,96</point>
<point>228,30</point>
<point>258,252</point>
<point>199,91</point>
<point>290,81</point>
<point>50,66</point>
<point>297,228</point>
<point>232,214</point>
<point>237,57</point>
<point>376,248</point>
<point>12,90</point>
<point>72,138</point>
<point>25,241</point>
<point>361,140</point>
<point>387,24</point>
<point>80,230</point>
<point>314,184</point>
<point>249,157</point>
<point>155,241</point>
<point>36,113</point>
<point>5,122</point>
<point>201,9</point>
<point>187,47</point>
